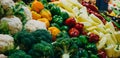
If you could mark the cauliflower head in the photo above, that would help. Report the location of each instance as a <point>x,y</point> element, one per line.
<point>33,25</point>
<point>14,24</point>
<point>6,43</point>
<point>7,3</point>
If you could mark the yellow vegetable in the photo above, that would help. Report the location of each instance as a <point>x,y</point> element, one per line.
<point>46,14</point>
<point>45,20</point>
<point>35,15</point>
<point>37,6</point>
<point>54,31</point>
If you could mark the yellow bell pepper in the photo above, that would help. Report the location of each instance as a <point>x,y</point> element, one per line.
<point>54,31</point>
<point>46,14</point>
<point>35,15</point>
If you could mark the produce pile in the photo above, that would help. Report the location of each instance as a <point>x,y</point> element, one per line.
<point>57,29</point>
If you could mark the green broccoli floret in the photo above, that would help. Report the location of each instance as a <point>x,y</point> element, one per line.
<point>25,40</point>
<point>19,54</point>
<point>42,34</point>
<point>42,50</point>
<point>65,48</point>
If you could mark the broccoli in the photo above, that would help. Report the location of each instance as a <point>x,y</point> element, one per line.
<point>19,54</point>
<point>42,50</point>
<point>42,34</point>
<point>65,48</point>
<point>24,40</point>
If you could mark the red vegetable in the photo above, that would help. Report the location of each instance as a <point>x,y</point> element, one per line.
<point>102,54</point>
<point>73,32</point>
<point>96,14</point>
<point>79,26</point>
<point>93,38</point>
<point>70,22</point>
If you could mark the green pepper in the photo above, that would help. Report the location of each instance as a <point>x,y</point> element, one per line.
<point>93,56</point>
<point>63,34</point>
<point>57,19</point>
<point>83,39</point>
<point>83,53</point>
<point>55,10</point>
<point>77,41</point>
<point>55,25</point>
<point>64,28</point>
<point>116,24</point>
<point>64,15</point>
<point>92,47</point>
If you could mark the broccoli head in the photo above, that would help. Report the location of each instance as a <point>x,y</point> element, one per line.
<point>25,40</point>
<point>65,48</point>
<point>42,50</point>
<point>19,54</point>
<point>42,34</point>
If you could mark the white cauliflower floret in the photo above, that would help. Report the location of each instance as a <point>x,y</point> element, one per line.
<point>33,25</point>
<point>3,56</point>
<point>27,13</point>
<point>6,43</point>
<point>7,3</point>
<point>14,24</point>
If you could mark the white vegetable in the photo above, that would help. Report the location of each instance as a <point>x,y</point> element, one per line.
<point>6,43</point>
<point>33,25</point>
<point>3,56</point>
<point>27,13</point>
<point>14,24</point>
<point>7,3</point>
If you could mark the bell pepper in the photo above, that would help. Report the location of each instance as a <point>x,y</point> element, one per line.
<point>57,19</point>
<point>55,10</point>
<point>54,31</point>
<point>46,14</point>
<point>35,15</point>
<point>64,27</point>
<point>55,25</point>
<point>83,39</point>
<point>64,15</point>
<point>73,32</point>
<point>92,47</point>
<point>83,53</point>
<point>45,20</point>
<point>63,34</point>
<point>37,6</point>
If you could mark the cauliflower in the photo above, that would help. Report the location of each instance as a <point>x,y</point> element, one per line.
<point>27,12</point>
<point>33,25</point>
<point>3,56</point>
<point>6,43</point>
<point>13,23</point>
<point>7,3</point>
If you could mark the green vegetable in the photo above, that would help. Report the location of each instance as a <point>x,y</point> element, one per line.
<point>42,34</point>
<point>64,15</point>
<point>1,11</point>
<point>92,47</point>
<point>63,34</point>
<point>93,56</point>
<point>64,27</point>
<point>55,25</point>
<point>83,39</point>
<point>55,10</point>
<point>19,11</point>
<point>25,40</point>
<point>4,28</point>
<point>57,19</point>
<point>77,41</point>
<point>83,53</point>
<point>65,48</point>
<point>42,50</point>
<point>117,24</point>
<point>19,54</point>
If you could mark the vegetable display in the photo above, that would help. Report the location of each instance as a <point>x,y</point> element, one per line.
<point>58,29</point>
